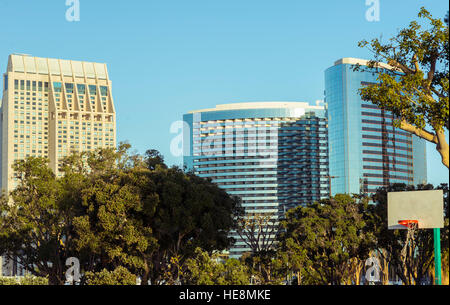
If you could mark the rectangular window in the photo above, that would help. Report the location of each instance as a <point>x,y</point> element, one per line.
<point>34,85</point>
<point>104,90</point>
<point>92,89</point>
<point>69,88</point>
<point>81,89</point>
<point>57,86</point>
<point>16,84</point>
<point>28,85</point>
<point>46,87</point>
<point>22,85</point>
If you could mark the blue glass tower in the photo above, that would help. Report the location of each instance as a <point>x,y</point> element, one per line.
<point>365,150</point>
<point>273,155</point>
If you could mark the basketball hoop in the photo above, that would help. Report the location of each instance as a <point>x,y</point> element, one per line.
<point>409,223</point>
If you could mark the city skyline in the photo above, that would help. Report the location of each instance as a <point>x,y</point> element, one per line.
<point>167,59</point>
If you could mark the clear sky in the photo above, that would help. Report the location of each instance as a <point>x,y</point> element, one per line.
<point>167,57</point>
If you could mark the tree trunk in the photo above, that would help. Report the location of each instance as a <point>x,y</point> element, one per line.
<point>439,139</point>
<point>442,147</point>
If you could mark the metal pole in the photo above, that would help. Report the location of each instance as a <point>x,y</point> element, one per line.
<point>437,256</point>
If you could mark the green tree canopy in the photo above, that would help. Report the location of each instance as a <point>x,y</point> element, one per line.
<point>186,212</point>
<point>35,221</point>
<point>204,269</point>
<point>415,89</point>
<point>111,209</point>
<point>324,236</point>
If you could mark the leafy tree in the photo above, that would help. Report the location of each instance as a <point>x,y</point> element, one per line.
<point>258,231</point>
<point>25,280</point>
<point>119,276</point>
<point>292,257</point>
<point>185,212</point>
<point>154,158</point>
<point>35,222</point>
<point>111,209</point>
<point>204,269</point>
<point>415,90</point>
<point>324,236</point>
<point>109,232</point>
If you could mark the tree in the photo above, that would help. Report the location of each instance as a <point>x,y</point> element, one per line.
<point>154,158</point>
<point>292,256</point>
<point>203,269</point>
<point>326,235</point>
<point>111,209</point>
<point>258,231</point>
<point>415,90</point>
<point>109,232</point>
<point>119,276</point>
<point>35,222</point>
<point>185,212</point>
<point>25,280</point>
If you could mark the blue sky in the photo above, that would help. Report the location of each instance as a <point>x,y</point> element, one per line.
<point>167,57</point>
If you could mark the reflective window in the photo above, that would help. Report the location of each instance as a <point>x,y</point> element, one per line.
<point>69,88</point>
<point>93,89</point>
<point>57,86</point>
<point>104,90</point>
<point>81,88</point>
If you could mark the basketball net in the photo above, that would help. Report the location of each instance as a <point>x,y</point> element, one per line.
<point>410,239</point>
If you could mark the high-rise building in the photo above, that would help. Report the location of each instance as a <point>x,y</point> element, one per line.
<point>273,155</point>
<point>366,152</point>
<point>52,107</point>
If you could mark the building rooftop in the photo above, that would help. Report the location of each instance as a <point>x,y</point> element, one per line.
<point>37,65</point>
<point>260,105</point>
<point>362,62</point>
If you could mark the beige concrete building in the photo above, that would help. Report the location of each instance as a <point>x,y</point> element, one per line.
<point>51,107</point>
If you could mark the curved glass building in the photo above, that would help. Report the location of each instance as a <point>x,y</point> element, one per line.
<point>366,151</point>
<point>273,155</point>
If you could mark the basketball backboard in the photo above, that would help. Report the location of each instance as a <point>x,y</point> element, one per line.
<point>427,207</point>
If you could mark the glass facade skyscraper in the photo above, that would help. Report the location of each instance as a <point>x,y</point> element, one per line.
<point>273,155</point>
<point>365,150</point>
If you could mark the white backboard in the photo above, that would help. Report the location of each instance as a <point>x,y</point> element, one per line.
<point>425,206</point>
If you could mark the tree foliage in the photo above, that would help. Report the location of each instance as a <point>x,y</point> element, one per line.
<point>324,236</point>
<point>27,280</point>
<point>119,276</point>
<point>204,269</point>
<point>415,89</point>
<point>36,221</point>
<point>111,209</point>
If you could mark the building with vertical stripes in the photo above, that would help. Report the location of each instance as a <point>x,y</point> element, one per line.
<point>52,107</point>
<point>273,155</point>
<point>366,151</point>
